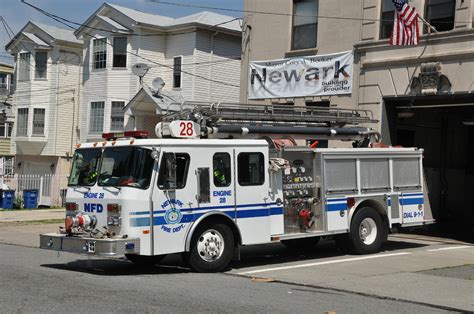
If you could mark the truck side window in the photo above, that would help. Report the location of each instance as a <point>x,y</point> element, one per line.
<point>251,169</point>
<point>182,167</point>
<point>221,169</point>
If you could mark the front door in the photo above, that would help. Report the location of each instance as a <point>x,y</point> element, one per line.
<point>173,201</point>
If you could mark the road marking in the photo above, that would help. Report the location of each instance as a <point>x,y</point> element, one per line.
<point>450,248</point>
<point>323,263</point>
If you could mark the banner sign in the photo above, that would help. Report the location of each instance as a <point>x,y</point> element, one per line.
<point>302,76</point>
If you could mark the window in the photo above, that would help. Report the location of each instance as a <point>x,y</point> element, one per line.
<point>3,81</point>
<point>99,52</point>
<point>84,167</point>
<point>24,67</point>
<point>177,72</point>
<point>22,122</point>
<point>38,121</point>
<point>305,24</point>
<point>388,14</point>
<point>251,169</point>
<point>182,166</point>
<point>440,14</point>
<point>116,116</point>
<point>222,169</point>
<point>120,52</point>
<point>41,64</point>
<point>96,122</point>
<point>126,166</point>
<point>6,129</point>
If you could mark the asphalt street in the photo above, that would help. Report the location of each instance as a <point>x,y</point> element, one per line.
<point>412,273</point>
<point>38,281</point>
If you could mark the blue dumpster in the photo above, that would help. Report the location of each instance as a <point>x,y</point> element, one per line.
<point>30,198</point>
<point>7,199</point>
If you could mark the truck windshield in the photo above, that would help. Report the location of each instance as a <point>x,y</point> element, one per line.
<point>126,166</point>
<point>84,167</point>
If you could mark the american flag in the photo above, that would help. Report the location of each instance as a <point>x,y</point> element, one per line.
<point>405,25</point>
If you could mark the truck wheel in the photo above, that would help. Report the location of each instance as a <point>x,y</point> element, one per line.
<point>367,231</point>
<point>299,244</point>
<point>212,248</point>
<point>143,260</point>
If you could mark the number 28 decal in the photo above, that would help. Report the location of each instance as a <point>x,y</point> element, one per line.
<point>186,128</point>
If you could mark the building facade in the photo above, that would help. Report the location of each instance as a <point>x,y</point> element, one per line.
<point>422,95</point>
<point>7,87</point>
<point>46,98</point>
<point>196,56</point>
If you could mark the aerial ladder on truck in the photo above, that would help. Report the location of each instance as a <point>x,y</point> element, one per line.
<point>220,120</point>
<point>223,175</point>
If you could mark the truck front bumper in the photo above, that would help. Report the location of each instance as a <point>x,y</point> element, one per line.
<point>91,246</point>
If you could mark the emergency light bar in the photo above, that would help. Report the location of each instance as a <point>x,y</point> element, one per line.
<point>115,135</point>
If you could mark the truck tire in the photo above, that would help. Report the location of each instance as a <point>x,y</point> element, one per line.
<point>143,260</point>
<point>212,248</point>
<point>367,232</point>
<point>301,244</point>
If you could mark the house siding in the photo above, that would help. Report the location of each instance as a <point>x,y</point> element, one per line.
<point>180,45</point>
<point>217,59</point>
<point>5,147</point>
<point>57,94</point>
<point>157,49</point>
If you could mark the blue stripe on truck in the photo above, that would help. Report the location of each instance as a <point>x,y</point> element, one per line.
<point>247,213</point>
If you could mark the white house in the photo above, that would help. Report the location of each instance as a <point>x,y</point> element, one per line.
<point>6,118</point>
<point>197,56</point>
<point>46,99</point>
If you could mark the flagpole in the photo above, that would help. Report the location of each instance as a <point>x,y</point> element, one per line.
<point>427,24</point>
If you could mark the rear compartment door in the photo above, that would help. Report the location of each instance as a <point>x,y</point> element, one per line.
<point>407,178</point>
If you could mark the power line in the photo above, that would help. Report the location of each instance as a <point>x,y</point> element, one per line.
<point>135,54</point>
<point>195,6</point>
<point>36,92</point>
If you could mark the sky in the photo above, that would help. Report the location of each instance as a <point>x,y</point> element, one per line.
<point>18,14</point>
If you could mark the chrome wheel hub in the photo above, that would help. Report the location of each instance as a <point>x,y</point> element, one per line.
<point>210,245</point>
<point>368,231</point>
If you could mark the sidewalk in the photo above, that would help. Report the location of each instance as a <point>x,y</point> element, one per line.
<point>22,227</point>
<point>7,216</point>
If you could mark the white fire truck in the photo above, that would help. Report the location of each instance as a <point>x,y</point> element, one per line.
<point>221,176</point>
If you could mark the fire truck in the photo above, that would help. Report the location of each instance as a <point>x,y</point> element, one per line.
<point>222,176</point>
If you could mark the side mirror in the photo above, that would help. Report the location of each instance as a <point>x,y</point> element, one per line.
<point>155,155</point>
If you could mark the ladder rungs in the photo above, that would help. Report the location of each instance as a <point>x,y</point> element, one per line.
<point>270,113</point>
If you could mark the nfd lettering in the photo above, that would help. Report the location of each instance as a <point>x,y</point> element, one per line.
<point>90,208</point>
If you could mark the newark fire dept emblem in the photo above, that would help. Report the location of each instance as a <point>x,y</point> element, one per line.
<point>173,216</point>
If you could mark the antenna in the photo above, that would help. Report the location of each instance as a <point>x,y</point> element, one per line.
<point>158,84</point>
<point>140,70</point>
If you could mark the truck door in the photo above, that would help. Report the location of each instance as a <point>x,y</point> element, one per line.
<point>222,182</point>
<point>173,202</point>
<point>253,204</point>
